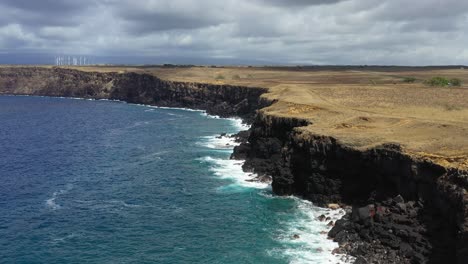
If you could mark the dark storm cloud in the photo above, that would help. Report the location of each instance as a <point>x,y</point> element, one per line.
<point>43,12</point>
<point>273,31</point>
<point>294,3</point>
<point>146,22</point>
<point>47,6</point>
<point>396,10</point>
<point>430,15</point>
<point>160,22</point>
<point>145,17</point>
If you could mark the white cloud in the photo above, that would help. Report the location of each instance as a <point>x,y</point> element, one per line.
<point>318,32</point>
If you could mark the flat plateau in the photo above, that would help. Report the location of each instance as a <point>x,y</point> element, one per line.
<point>362,107</point>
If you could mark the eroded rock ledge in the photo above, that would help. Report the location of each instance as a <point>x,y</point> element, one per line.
<point>402,209</point>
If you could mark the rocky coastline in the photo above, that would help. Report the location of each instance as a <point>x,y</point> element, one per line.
<point>400,209</point>
<point>220,100</point>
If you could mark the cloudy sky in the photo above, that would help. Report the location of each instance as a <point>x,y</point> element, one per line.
<point>417,32</point>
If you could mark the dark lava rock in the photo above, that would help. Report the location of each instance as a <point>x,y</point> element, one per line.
<point>431,226</point>
<point>241,152</point>
<point>261,178</point>
<point>242,136</point>
<point>398,199</point>
<point>406,250</point>
<point>360,260</point>
<point>383,234</point>
<point>221,135</point>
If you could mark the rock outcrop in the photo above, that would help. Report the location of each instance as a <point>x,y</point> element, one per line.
<point>426,223</point>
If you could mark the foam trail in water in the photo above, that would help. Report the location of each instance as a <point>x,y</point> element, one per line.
<point>64,238</point>
<point>172,108</point>
<point>237,122</point>
<point>51,201</point>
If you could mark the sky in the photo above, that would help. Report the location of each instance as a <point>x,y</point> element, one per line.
<point>260,32</point>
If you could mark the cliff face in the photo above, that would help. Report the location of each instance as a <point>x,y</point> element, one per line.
<point>222,100</point>
<point>404,209</point>
<point>425,223</point>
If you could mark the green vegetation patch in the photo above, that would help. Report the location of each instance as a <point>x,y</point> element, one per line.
<point>220,77</point>
<point>409,80</point>
<point>449,107</point>
<point>455,82</point>
<point>443,82</point>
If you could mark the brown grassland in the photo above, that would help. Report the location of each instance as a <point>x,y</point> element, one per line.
<point>362,108</point>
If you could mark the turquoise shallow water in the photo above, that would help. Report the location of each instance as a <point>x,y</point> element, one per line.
<point>107,182</point>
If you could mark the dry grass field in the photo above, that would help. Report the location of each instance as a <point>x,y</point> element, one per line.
<point>361,107</point>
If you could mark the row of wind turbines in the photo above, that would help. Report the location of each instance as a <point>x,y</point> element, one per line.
<point>72,60</point>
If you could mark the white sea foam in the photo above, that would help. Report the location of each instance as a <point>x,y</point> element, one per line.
<point>226,142</point>
<point>105,204</point>
<point>64,238</point>
<point>111,100</point>
<point>123,203</point>
<point>312,246</point>
<point>136,124</point>
<point>232,169</point>
<point>236,122</point>
<point>239,124</point>
<point>227,168</point>
<point>75,98</point>
<point>172,108</point>
<point>63,97</point>
<point>153,156</point>
<point>51,202</point>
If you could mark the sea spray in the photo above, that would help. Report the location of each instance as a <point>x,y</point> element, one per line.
<point>303,237</point>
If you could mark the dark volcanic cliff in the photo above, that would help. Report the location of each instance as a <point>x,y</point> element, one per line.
<point>222,100</point>
<point>404,209</point>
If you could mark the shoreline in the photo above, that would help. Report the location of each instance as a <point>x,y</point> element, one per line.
<point>315,167</point>
<point>250,179</point>
<point>331,215</point>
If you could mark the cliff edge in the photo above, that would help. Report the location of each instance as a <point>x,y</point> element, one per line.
<point>394,155</point>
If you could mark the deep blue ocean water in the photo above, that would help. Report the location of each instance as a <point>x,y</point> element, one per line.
<point>108,182</point>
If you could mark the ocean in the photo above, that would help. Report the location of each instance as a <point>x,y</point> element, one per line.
<point>108,182</point>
